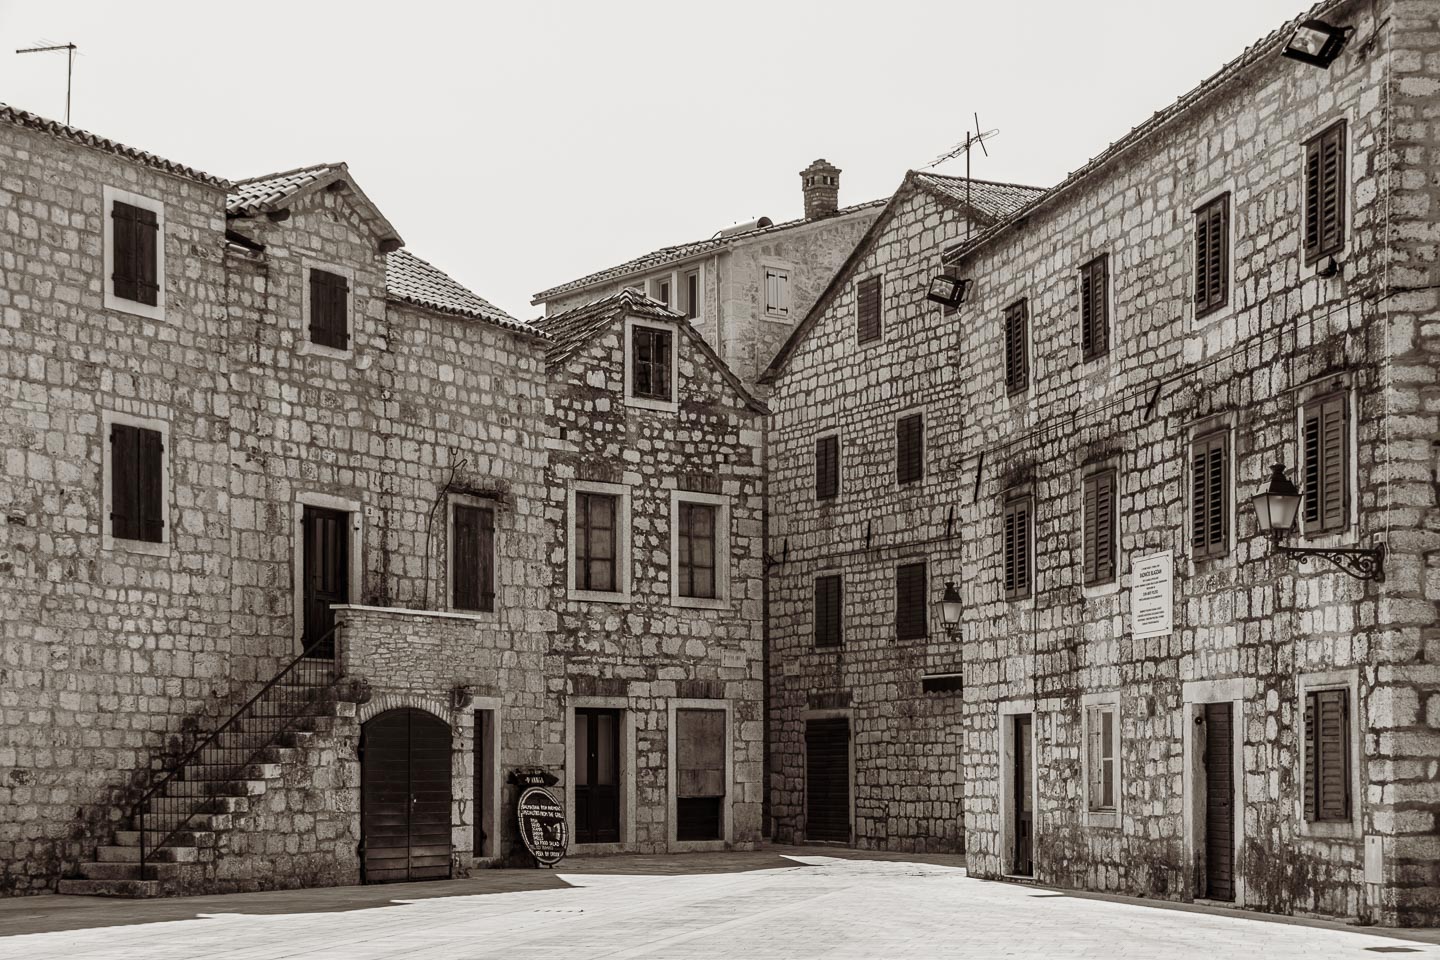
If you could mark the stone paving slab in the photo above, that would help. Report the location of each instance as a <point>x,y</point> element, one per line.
<point>777,903</point>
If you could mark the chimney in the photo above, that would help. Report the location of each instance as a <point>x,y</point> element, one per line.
<point>821,184</point>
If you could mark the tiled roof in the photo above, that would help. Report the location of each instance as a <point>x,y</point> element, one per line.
<point>55,128</point>
<point>571,330</point>
<point>995,200</point>
<point>263,194</point>
<point>682,251</point>
<point>412,280</point>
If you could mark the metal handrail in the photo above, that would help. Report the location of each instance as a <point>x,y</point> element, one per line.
<point>315,675</point>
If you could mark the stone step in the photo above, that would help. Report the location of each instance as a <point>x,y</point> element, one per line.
<point>166,854</point>
<point>134,889</point>
<point>162,823</point>
<point>129,871</point>
<point>184,838</point>
<point>216,772</point>
<point>218,789</point>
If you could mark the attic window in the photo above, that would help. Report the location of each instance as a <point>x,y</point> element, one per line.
<point>650,362</point>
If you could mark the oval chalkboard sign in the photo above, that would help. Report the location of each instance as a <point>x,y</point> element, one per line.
<point>542,826</point>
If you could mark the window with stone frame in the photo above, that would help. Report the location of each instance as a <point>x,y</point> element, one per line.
<point>1327,755</point>
<point>1326,184</point>
<point>135,242</point>
<point>827,467</point>
<point>472,555</point>
<point>1325,449</point>
<point>651,376</point>
<point>329,309</point>
<point>1102,762</point>
<point>910,448</point>
<point>912,620</point>
<point>1212,255</point>
<point>1210,495</point>
<point>867,310</point>
<point>1095,307</point>
<point>777,292</point>
<point>137,483</point>
<point>696,537</point>
<point>597,542</point>
<point>1017,347</point>
<point>829,610</point>
<point>1016,541</point>
<point>1099,522</point>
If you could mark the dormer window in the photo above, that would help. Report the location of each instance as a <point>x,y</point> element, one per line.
<point>650,363</point>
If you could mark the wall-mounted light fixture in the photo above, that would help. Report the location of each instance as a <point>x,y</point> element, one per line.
<point>948,291</point>
<point>1276,508</point>
<point>1317,43</point>
<point>950,606</point>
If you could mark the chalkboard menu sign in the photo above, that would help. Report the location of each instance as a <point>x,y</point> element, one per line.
<point>542,826</point>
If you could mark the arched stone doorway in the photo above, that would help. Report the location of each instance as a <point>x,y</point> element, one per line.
<point>405,797</point>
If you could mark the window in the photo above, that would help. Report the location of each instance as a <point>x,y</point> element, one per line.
<point>660,290</point>
<point>137,483</point>
<point>596,540</point>
<point>911,616</point>
<point>1017,347</point>
<point>1326,441</point>
<point>696,553</point>
<point>1015,548</point>
<point>1327,755</point>
<point>1210,496</point>
<point>909,448</point>
<point>1099,526</point>
<point>829,602</point>
<point>777,292</point>
<point>827,467</point>
<point>1102,743</point>
<point>690,294</point>
<point>1325,188</point>
<point>329,309</point>
<point>1095,307</point>
<point>135,240</point>
<point>650,363</point>
<point>699,774</point>
<point>472,557</point>
<point>867,310</point>
<point>1212,255</point>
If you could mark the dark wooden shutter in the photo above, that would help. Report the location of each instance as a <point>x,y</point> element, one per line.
<point>135,242</point>
<point>1327,469</point>
<point>1209,497</point>
<point>867,309</point>
<point>1015,548</point>
<point>827,467</point>
<point>1212,255</point>
<point>910,448</point>
<point>1325,182</point>
<point>829,597</point>
<point>827,780</point>
<point>137,488</point>
<point>473,553</point>
<point>910,614</point>
<point>150,493</point>
<point>1327,781</point>
<point>1099,527</point>
<point>329,309</point>
<point>1017,347</point>
<point>1095,307</point>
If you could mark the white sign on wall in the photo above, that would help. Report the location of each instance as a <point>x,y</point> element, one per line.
<point>1152,595</point>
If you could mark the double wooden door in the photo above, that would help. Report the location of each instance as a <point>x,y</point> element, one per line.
<point>405,797</point>
<point>1219,801</point>
<point>326,574</point>
<point>827,780</point>
<point>597,776</point>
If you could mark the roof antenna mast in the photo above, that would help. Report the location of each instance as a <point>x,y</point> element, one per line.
<point>69,49</point>
<point>971,141</point>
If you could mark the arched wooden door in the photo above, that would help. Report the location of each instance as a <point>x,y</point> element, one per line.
<point>405,797</point>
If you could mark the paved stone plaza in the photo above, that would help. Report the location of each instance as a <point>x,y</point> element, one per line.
<point>781,902</point>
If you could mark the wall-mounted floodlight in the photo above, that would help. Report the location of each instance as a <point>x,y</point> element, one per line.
<point>948,291</point>
<point>1316,42</point>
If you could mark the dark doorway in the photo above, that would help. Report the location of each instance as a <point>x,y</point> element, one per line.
<point>326,574</point>
<point>827,780</point>
<point>405,797</point>
<point>597,776</point>
<point>1219,802</point>
<point>1023,791</point>
<point>481,801</point>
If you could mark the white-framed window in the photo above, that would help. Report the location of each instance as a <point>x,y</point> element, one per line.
<point>1100,731</point>
<point>134,258</point>
<point>597,534</point>
<point>652,360</point>
<point>135,476</point>
<point>699,549</point>
<point>777,293</point>
<point>327,310</point>
<point>470,571</point>
<point>1329,754</point>
<point>662,288</point>
<point>691,294</point>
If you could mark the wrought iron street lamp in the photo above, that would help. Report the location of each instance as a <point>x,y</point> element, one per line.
<point>950,606</point>
<point>1316,42</point>
<point>1276,508</point>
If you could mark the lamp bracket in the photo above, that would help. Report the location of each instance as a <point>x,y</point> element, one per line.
<point>1362,563</point>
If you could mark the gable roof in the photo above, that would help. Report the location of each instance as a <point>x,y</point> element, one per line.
<point>571,330</point>
<point>684,251</point>
<point>61,131</point>
<point>990,202</point>
<point>273,192</point>
<point>408,279</point>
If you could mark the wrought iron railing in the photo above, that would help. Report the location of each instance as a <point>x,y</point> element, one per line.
<point>190,786</point>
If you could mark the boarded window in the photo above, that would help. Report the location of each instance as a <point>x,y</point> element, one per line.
<point>1015,547</point>
<point>1017,347</point>
<point>1101,762</point>
<point>829,599</point>
<point>137,484</point>
<point>696,547</point>
<point>1327,755</point>
<point>777,292</point>
<point>867,309</point>
<point>472,581</point>
<point>1209,496</point>
<point>827,467</point>
<point>1325,183</point>
<point>135,243</point>
<point>596,541</point>
<point>1099,527</point>
<point>699,774</point>
<point>1212,255</point>
<point>1326,439</point>
<point>909,448</point>
<point>1095,307</point>
<point>650,363</point>
<point>911,620</point>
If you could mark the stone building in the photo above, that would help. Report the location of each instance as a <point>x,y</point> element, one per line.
<point>656,484</point>
<point>1247,278</point>
<point>745,287</point>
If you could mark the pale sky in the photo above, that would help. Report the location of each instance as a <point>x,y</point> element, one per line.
<point>519,145</point>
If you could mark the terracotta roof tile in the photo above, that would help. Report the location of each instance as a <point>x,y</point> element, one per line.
<point>412,280</point>
<point>571,330</point>
<point>995,200</point>
<point>262,194</point>
<point>55,128</point>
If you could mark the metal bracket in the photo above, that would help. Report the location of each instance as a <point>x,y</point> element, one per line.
<point>1362,563</point>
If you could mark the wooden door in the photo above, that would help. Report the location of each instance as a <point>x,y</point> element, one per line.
<point>326,574</point>
<point>1023,791</point>
<point>1219,802</point>
<point>827,780</point>
<point>597,776</point>
<point>405,797</point>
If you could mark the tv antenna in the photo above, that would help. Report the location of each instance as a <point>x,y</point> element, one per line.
<point>69,48</point>
<point>971,141</point>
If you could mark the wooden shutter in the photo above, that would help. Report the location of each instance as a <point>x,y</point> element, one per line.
<point>329,309</point>
<point>1212,255</point>
<point>1015,548</point>
<point>135,243</point>
<point>150,491</point>
<point>1099,527</point>
<point>1327,781</point>
<point>827,467</point>
<point>1209,496</point>
<point>473,553</point>
<point>910,448</point>
<point>137,489</point>
<point>1312,757</point>
<point>1094,759</point>
<point>1017,347</point>
<point>1325,183</point>
<point>1327,464</point>
<point>829,596</point>
<point>867,309</point>
<point>1095,307</point>
<point>910,613</point>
